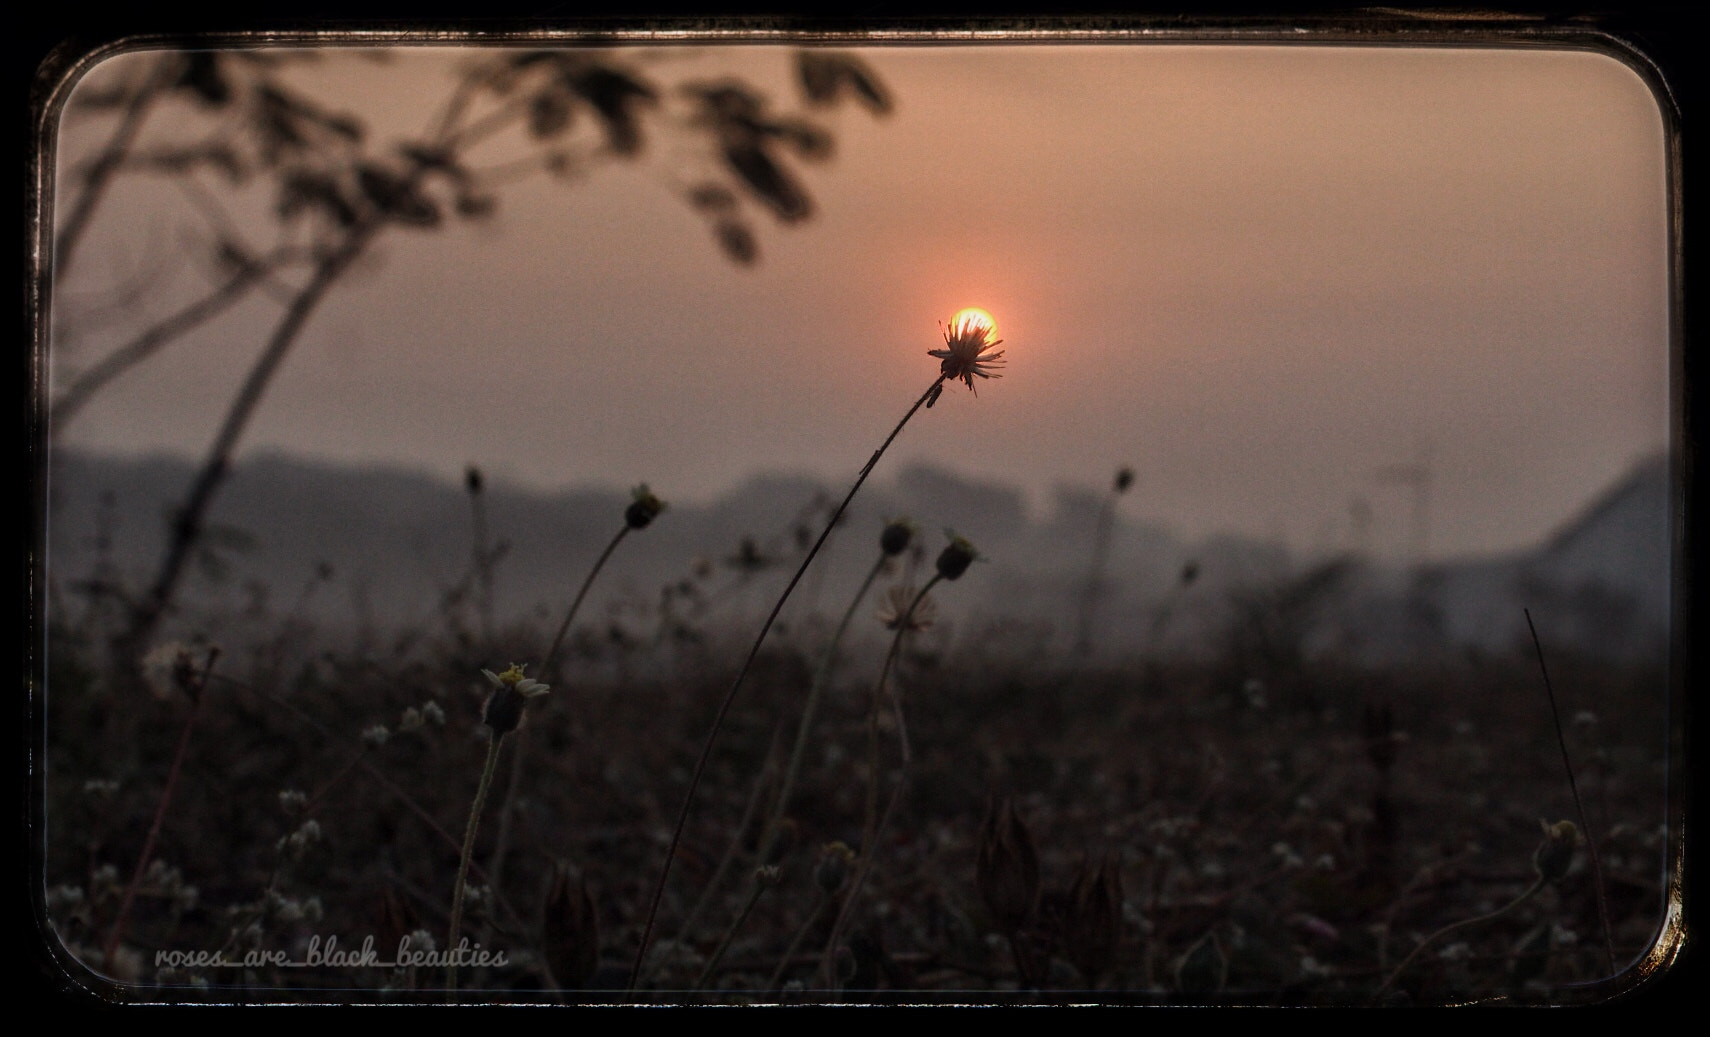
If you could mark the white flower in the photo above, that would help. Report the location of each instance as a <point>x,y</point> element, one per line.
<point>895,608</point>
<point>513,678</point>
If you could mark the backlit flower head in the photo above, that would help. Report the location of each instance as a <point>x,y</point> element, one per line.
<point>968,343</point>
<point>511,691</point>
<point>894,614</point>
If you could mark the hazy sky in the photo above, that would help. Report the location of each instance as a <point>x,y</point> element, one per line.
<point>1258,275</point>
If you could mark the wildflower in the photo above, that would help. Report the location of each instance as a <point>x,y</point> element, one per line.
<point>833,867</point>
<point>432,713</point>
<point>955,559</point>
<point>895,537</point>
<point>376,735</point>
<point>511,690</point>
<point>896,615</point>
<point>968,343</point>
<point>293,801</point>
<point>643,509</point>
<point>411,719</point>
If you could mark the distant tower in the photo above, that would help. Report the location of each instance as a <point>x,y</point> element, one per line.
<point>1419,476</point>
<point>1360,525</point>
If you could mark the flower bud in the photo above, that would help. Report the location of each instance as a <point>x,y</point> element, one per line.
<point>894,540</point>
<point>511,691</point>
<point>833,867</point>
<point>1092,931</point>
<point>1555,853</point>
<point>955,559</point>
<point>570,933</point>
<point>643,509</point>
<point>1007,868</point>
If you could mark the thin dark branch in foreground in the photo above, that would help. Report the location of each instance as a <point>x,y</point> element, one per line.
<point>153,338</point>
<point>1578,806</point>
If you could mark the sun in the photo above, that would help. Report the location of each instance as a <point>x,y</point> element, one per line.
<point>974,317</point>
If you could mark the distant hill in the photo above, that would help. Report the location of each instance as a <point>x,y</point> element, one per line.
<point>385,548</point>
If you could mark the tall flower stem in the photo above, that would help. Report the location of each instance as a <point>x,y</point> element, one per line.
<point>1530,892</point>
<point>494,741</point>
<point>501,845</point>
<point>118,934</point>
<point>576,603</point>
<point>810,708</point>
<point>730,696</point>
<point>872,823</point>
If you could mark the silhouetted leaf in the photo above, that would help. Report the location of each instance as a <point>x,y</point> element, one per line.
<point>202,77</point>
<point>768,181</point>
<point>808,140</point>
<point>710,197</point>
<point>548,113</point>
<point>398,198</point>
<point>737,241</point>
<point>615,96</point>
<point>827,77</point>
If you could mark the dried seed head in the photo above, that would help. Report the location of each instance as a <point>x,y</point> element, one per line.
<point>1092,930</point>
<point>1007,868</point>
<point>954,560</point>
<point>571,930</point>
<point>833,867</point>
<point>1553,856</point>
<point>895,538</point>
<point>643,509</point>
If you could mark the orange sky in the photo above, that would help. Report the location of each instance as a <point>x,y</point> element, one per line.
<point>1255,274</point>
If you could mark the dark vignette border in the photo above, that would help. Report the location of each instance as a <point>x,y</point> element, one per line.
<point>1658,39</point>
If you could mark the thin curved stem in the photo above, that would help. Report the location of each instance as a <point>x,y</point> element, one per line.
<point>872,823</point>
<point>1578,805</point>
<point>1447,929</point>
<point>501,846</point>
<point>493,743</point>
<point>810,708</point>
<point>118,934</point>
<point>730,934</point>
<point>730,696</point>
<point>796,941</point>
<point>564,627</point>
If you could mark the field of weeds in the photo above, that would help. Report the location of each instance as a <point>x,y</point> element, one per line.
<point>1061,831</point>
